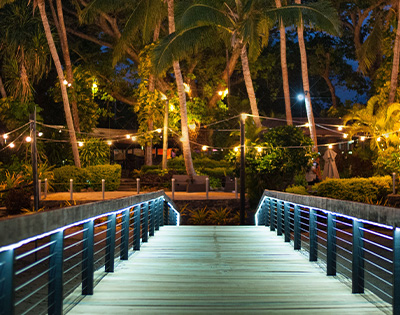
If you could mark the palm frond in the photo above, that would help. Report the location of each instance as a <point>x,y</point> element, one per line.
<point>320,16</point>
<point>90,13</point>
<point>202,14</point>
<point>181,44</point>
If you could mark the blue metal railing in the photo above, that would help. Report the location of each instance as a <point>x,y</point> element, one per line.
<point>38,273</point>
<point>366,252</point>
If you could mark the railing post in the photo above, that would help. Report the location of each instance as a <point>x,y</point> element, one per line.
<point>173,188</point>
<point>394,183</point>
<point>152,216</point>
<point>287,221</point>
<point>103,187</point>
<point>166,213</point>
<point>396,270</point>
<point>136,227</point>
<point>207,187</point>
<point>71,189</point>
<point>158,213</point>
<point>161,211</point>
<point>297,231</point>
<point>55,294</point>
<point>279,218</point>
<point>145,231</point>
<point>110,244</point>
<point>265,212</point>
<point>88,258</point>
<point>236,188</point>
<point>45,188</point>
<point>7,276</point>
<point>272,215</point>
<point>331,246</point>
<point>40,189</point>
<point>138,185</point>
<point>313,235</point>
<point>358,258</point>
<point>125,235</point>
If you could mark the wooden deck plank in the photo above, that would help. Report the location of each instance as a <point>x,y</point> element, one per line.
<point>220,270</point>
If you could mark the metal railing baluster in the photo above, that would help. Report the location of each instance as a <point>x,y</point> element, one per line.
<point>313,235</point>
<point>279,218</point>
<point>297,231</point>
<point>7,297</point>
<point>55,294</point>
<point>145,232</point>
<point>331,245</point>
<point>152,210</point>
<point>124,235</point>
<point>358,258</point>
<point>88,258</point>
<point>272,215</point>
<point>136,227</point>
<point>110,244</point>
<point>267,211</point>
<point>286,221</point>
<point>396,271</point>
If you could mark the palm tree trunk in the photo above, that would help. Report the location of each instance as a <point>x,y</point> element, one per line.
<point>396,57</point>
<point>3,92</point>
<point>306,84</point>
<point>62,33</point>
<point>64,94</point>
<point>187,155</point>
<point>285,76</point>
<point>249,86</point>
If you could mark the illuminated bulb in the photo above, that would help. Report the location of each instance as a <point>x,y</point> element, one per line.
<point>378,139</point>
<point>69,84</point>
<point>345,135</point>
<point>109,142</point>
<point>192,126</point>
<point>80,143</point>
<point>236,149</point>
<point>259,149</point>
<point>65,82</point>
<point>220,93</point>
<point>171,107</point>
<point>307,125</point>
<point>362,138</point>
<point>5,136</point>
<point>386,135</point>
<point>59,131</point>
<point>12,145</point>
<point>204,148</point>
<point>128,136</point>
<point>28,139</point>
<point>330,146</point>
<point>244,116</point>
<point>159,130</point>
<point>134,138</point>
<point>40,134</point>
<point>187,87</point>
<point>94,85</point>
<point>300,97</point>
<point>340,128</point>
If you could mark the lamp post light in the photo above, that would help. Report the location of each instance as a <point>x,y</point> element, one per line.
<point>242,169</point>
<point>34,162</point>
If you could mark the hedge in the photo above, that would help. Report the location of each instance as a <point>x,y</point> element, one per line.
<point>355,189</point>
<point>89,177</point>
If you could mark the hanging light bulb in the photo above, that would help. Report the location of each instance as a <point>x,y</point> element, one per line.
<point>378,139</point>
<point>330,146</point>
<point>259,149</point>
<point>134,138</point>
<point>109,142</point>
<point>340,128</point>
<point>28,139</point>
<point>5,136</point>
<point>65,82</point>
<point>204,148</point>
<point>362,138</point>
<point>192,126</point>
<point>12,145</point>
<point>128,136</point>
<point>236,149</point>
<point>40,134</point>
<point>159,130</point>
<point>345,135</point>
<point>80,143</point>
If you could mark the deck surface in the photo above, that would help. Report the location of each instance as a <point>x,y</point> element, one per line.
<point>220,270</point>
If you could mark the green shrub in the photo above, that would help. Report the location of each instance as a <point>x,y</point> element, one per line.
<point>355,189</point>
<point>300,190</point>
<point>111,173</point>
<point>87,177</point>
<point>63,174</point>
<point>16,199</point>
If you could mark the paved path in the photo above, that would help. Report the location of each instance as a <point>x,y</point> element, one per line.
<point>220,270</point>
<point>97,195</point>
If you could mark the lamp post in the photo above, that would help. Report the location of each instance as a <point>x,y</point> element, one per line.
<point>34,162</point>
<point>165,133</point>
<point>242,170</point>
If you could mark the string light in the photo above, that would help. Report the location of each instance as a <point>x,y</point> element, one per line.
<point>171,107</point>
<point>40,134</point>
<point>192,126</point>
<point>378,139</point>
<point>330,146</point>
<point>259,149</point>
<point>128,136</point>
<point>204,148</point>
<point>109,142</point>
<point>340,128</point>
<point>134,138</point>
<point>5,136</point>
<point>12,145</point>
<point>362,138</point>
<point>28,139</point>
<point>236,149</point>
<point>65,82</point>
<point>80,143</point>
<point>345,135</point>
<point>159,130</point>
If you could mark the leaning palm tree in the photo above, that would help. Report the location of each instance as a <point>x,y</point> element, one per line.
<point>244,22</point>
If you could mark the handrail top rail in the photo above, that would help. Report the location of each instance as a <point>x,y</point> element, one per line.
<point>18,228</point>
<point>373,213</point>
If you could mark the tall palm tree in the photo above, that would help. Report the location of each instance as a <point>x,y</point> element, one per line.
<point>187,155</point>
<point>396,59</point>
<point>243,22</point>
<point>57,63</point>
<point>285,76</point>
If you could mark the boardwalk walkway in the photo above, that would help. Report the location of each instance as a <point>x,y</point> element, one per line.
<point>220,270</point>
